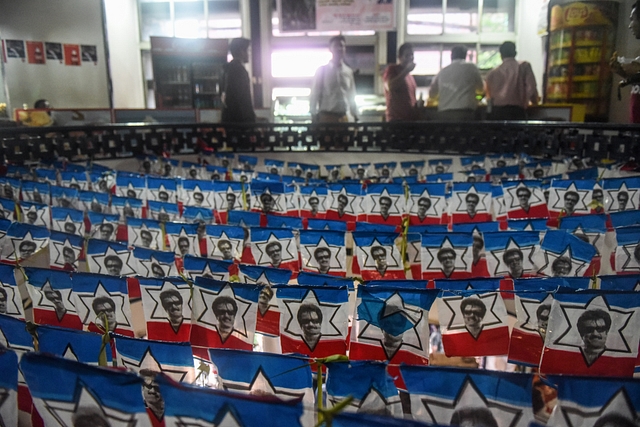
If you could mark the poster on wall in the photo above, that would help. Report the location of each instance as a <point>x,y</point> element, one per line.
<point>89,53</point>
<point>35,53</point>
<point>342,15</point>
<point>71,54</point>
<point>54,51</point>
<point>15,49</point>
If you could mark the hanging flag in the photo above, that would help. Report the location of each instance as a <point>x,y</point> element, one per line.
<point>35,213</point>
<point>195,214</point>
<point>79,346</point>
<point>184,407</point>
<point>384,203</point>
<point>278,221</point>
<point>156,264</point>
<point>313,319</point>
<point>313,201</point>
<point>378,256</point>
<point>369,384</point>
<point>127,207</point>
<point>163,212</point>
<point>8,388</point>
<point>145,233</point>
<point>87,395</point>
<point>229,196</point>
<point>570,197</point>
<point>65,251</point>
<point>24,240</point>
<point>627,251</point>
<point>103,226</point>
<point>67,220</point>
<point>162,190</point>
<point>193,170</point>
<point>38,192</point>
<point>91,201</point>
<point>473,318</point>
<point>198,193</point>
<point>344,201</point>
<point>223,314</point>
<point>592,332</point>
<point>587,401</point>
<point>385,170</point>
<point>207,268</point>
<point>10,299</point>
<point>99,299</point>
<point>14,336</point>
<point>51,293</point>
<point>323,252</point>
<point>111,258</point>
<point>591,229</point>
<point>470,202</point>
<point>268,197</point>
<point>7,209</point>
<point>537,170</point>
<point>64,197</point>
<point>274,247</point>
<point>225,242</point>
<point>412,168</point>
<point>564,254</point>
<point>498,207</point>
<point>426,203</point>
<point>621,194</point>
<point>183,238</point>
<point>166,306</point>
<point>447,255</point>
<point>524,199</point>
<point>74,179</point>
<point>512,254</point>
<point>49,176</point>
<point>460,397</point>
<point>263,374</point>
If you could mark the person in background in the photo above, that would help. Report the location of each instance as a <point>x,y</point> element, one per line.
<point>42,104</point>
<point>511,86</point>
<point>628,69</point>
<point>455,86</point>
<point>400,87</point>
<point>237,104</point>
<point>333,91</point>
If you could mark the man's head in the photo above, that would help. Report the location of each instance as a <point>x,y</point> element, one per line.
<point>310,320</point>
<point>156,270</point>
<point>472,201</point>
<point>113,264</point>
<point>571,199</point>
<point>106,230</point>
<point>338,47</point>
<point>593,327</point>
<point>266,293</point>
<point>513,259</point>
<point>32,217</point>
<point>478,416</point>
<point>424,203</point>
<point>231,201</point>
<point>267,202</point>
<point>508,50</point>
<point>225,248</point>
<point>634,20</point>
<point>151,392</point>
<point>70,228</point>
<point>459,52</point>
<point>69,255</point>
<point>447,258</point>
<point>274,251</point>
<point>3,301</point>
<point>172,303</point>
<point>27,248</point>
<point>538,173</point>
<point>146,238</point>
<point>105,306</point>
<point>343,201</point>
<point>379,255</point>
<point>163,196</point>
<point>323,258</point>
<point>542,313</point>
<point>131,194</point>
<point>239,49</point>
<point>523,194</point>
<point>313,203</point>
<point>225,309</point>
<point>473,311</point>
<point>183,245</point>
<point>85,417</point>
<point>623,199</point>
<point>385,205</point>
<point>561,266</point>
<point>405,54</point>
<point>198,198</point>
<point>41,104</point>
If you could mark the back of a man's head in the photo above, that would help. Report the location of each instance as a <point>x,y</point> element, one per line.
<point>238,45</point>
<point>335,39</point>
<point>404,47</point>
<point>508,50</point>
<point>458,52</point>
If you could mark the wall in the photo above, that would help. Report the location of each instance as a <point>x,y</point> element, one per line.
<point>530,46</point>
<point>124,53</point>
<point>61,21</point>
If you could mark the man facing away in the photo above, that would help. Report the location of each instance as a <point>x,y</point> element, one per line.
<point>455,86</point>
<point>400,86</point>
<point>511,86</point>
<point>333,91</point>
<point>238,106</point>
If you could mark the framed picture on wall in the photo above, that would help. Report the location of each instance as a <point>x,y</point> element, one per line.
<point>89,53</point>
<point>72,54</point>
<point>15,49</point>
<point>35,52</point>
<point>54,51</point>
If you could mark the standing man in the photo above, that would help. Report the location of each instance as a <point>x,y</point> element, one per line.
<point>237,105</point>
<point>400,87</point>
<point>333,91</point>
<point>629,69</point>
<point>511,86</point>
<point>455,86</point>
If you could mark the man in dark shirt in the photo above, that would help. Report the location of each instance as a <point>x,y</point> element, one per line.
<point>237,104</point>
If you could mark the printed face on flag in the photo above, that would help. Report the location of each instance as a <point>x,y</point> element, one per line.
<point>564,255</point>
<point>105,308</point>
<point>183,238</point>
<point>313,202</point>
<point>470,200</point>
<point>570,197</point>
<point>424,204</point>
<point>524,200</point>
<point>449,254</point>
<point>166,301</point>
<point>26,245</point>
<point>277,249</point>
<point>597,335</point>
<point>627,255</point>
<point>145,234</point>
<point>323,251</point>
<point>35,214</point>
<point>229,199</point>
<point>225,246</point>
<point>112,259</point>
<point>621,194</point>
<point>10,299</point>
<point>68,221</point>
<point>105,230</point>
<point>512,254</point>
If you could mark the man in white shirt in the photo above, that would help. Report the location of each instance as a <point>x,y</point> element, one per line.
<point>455,87</point>
<point>333,91</point>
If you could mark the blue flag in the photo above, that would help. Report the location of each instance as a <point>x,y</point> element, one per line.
<point>79,346</point>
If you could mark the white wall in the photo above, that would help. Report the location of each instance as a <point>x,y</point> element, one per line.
<point>529,45</point>
<point>61,21</point>
<point>124,53</point>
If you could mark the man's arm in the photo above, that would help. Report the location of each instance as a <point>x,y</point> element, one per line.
<point>316,87</point>
<point>624,70</point>
<point>352,98</point>
<point>395,79</point>
<point>531,89</point>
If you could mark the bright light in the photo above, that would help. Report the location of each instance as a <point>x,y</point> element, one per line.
<point>298,62</point>
<point>290,91</point>
<point>427,62</point>
<point>188,28</point>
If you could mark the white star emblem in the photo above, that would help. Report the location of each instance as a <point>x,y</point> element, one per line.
<point>194,247</point>
<point>261,385</point>
<point>42,215</point>
<point>66,297</point>
<point>335,195</point>
<point>337,255</point>
<point>96,262</point>
<point>620,404</point>
<point>392,255</point>
<point>215,252</point>
<point>613,204</point>
<point>57,252</point>
<point>527,318</point>
<point>462,261</point>
<point>577,267</point>
<point>14,301</point>
<point>288,252</point>
<point>557,201</point>
<point>69,353</point>
<point>147,264</point>
<point>374,200</point>
<point>207,317</point>
<point>511,196</point>
<point>436,208</point>
<point>156,311</point>
<point>456,321</point>
<point>208,273</point>
<point>462,204</point>
<point>148,361</point>
<point>135,238</point>
<point>498,265</point>
<point>16,241</point>
<point>85,310</point>
<point>321,200</point>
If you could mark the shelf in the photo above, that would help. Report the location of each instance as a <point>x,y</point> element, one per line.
<point>595,61</point>
<point>584,96</point>
<point>560,62</point>
<point>175,83</point>
<point>593,43</point>
<point>206,78</point>
<point>558,79</point>
<point>205,93</point>
<point>585,78</point>
<point>560,46</point>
